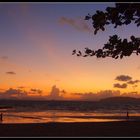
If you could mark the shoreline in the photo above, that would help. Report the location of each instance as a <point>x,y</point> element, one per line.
<point>76,129</point>
<point>7,119</point>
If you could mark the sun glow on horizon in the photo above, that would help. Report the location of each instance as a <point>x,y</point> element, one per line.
<point>36,43</point>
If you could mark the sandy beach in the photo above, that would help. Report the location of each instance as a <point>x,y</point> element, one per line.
<point>96,129</point>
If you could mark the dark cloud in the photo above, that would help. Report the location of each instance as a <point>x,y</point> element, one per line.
<point>117,85</point>
<point>131,94</point>
<point>106,94</point>
<point>33,93</point>
<point>135,86</point>
<point>98,95</point>
<point>127,81</point>
<point>88,96</point>
<point>21,87</point>
<point>63,91</point>
<point>4,57</point>
<point>78,23</point>
<point>135,92</point>
<point>38,91</point>
<point>56,93</point>
<point>20,94</point>
<point>123,78</point>
<point>11,73</point>
<point>10,93</point>
<point>133,82</point>
<point>79,94</point>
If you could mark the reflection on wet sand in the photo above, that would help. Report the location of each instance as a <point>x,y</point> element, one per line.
<point>64,116</point>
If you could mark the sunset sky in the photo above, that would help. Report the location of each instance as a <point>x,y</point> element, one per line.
<point>36,44</point>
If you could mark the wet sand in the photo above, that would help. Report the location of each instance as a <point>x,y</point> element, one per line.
<point>95,129</point>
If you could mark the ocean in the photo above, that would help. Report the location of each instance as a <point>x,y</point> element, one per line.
<point>19,111</point>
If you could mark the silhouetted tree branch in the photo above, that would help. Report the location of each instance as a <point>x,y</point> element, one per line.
<point>121,14</point>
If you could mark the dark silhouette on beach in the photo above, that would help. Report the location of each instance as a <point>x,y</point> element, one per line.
<point>127,115</point>
<point>1,117</point>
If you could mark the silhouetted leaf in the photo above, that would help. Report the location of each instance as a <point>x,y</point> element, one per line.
<point>121,14</point>
<point>121,56</point>
<point>79,52</point>
<point>102,28</point>
<point>133,38</point>
<point>138,24</point>
<point>95,32</point>
<point>85,55</point>
<point>88,51</point>
<point>74,52</point>
<point>87,17</point>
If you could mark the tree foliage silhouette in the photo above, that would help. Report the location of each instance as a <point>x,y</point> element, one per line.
<point>121,14</point>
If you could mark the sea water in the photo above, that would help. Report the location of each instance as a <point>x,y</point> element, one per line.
<point>65,111</point>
